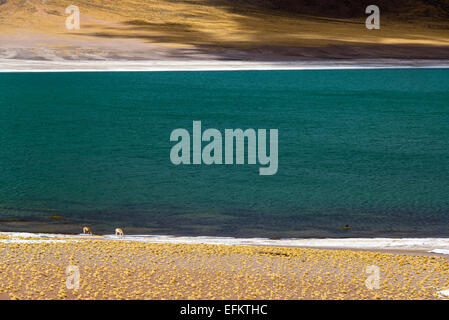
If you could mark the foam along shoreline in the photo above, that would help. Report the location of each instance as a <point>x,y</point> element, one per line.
<point>432,245</point>
<point>14,65</point>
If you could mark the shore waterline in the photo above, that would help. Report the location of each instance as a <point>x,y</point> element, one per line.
<point>9,65</point>
<point>438,246</point>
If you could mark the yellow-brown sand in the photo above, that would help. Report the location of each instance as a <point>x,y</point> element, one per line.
<point>135,270</point>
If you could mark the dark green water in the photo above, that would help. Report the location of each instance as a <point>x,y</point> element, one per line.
<point>368,148</point>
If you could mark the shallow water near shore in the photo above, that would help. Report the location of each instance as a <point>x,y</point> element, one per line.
<point>367,148</point>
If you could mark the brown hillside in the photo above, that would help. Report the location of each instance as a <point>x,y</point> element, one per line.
<point>237,29</point>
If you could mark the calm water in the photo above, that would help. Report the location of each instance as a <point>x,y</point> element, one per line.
<point>368,148</point>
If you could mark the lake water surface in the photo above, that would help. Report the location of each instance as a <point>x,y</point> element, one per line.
<point>367,148</point>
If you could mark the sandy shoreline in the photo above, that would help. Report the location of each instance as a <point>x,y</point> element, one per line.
<point>12,65</point>
<point>34,266</point>
<point>433,246</point>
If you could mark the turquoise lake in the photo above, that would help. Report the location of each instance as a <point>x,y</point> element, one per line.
<point>364,148</point>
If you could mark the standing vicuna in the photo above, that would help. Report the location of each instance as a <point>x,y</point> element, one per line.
<point>87,230</point>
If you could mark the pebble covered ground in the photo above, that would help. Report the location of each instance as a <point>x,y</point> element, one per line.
<point>111,269</point>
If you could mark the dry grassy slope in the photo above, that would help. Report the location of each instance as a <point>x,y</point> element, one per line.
<point>244,24</point>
